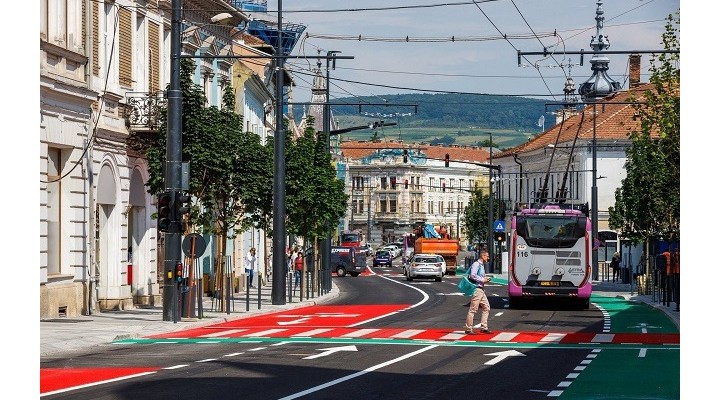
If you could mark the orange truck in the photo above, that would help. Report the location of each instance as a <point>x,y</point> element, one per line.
<point>448,248</point>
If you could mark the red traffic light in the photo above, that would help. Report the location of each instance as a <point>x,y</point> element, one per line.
<point>447,160</point>
<point>406,183</point>
<point>163,206</point>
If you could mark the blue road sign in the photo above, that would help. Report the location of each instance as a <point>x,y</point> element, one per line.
<point>499,225</point>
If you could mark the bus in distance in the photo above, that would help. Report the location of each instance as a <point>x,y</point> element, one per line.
<point>550,255</point>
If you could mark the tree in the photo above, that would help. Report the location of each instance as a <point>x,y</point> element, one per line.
<point>223,177</point>
<point>315,196</point>
<point>647,204</point>
<point>475,219</point>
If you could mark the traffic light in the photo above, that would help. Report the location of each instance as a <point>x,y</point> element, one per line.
<point>181,205</point>
<point>447,160</point>
<point>500,236</point>
<point>406,183</point>
<point>405,159</point>
<point>179,272</point>
<point>164,204</point>
<point>182,202</point>
<point>443,186</point>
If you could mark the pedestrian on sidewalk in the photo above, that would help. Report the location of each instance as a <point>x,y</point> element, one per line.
<point>615,265</point>
<point>479,298</point>
<point>298,269</point>
<point>250,266</point>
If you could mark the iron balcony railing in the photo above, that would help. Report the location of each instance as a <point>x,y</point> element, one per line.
<point>142,110</point>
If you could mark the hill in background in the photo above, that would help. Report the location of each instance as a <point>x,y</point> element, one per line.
<point>443,118</point>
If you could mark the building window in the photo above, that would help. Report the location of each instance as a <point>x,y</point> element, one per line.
<point>383,183</point>
<point>393,203</point>
<point>452,183</point>
<point>462,184</point>
<point>431,184</point>
<point>430,208</point>
<point>441,206</point>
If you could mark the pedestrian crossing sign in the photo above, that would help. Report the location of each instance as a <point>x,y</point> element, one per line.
<point>499,226</point>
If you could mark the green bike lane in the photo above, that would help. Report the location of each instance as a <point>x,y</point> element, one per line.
<point>631,372</point>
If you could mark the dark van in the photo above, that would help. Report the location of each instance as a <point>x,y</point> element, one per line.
<point>347,260</point>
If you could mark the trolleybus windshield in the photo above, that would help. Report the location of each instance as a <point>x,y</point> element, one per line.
<point>551,231</point>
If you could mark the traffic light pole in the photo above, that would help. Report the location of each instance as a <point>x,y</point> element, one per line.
<point>173,170</point>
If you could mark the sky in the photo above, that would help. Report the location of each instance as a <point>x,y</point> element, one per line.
<point>479,60</point>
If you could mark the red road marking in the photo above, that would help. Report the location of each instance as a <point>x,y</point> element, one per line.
<point>52,379</point>
<point>319,316</point>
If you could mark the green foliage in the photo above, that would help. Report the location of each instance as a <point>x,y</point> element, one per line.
<point>446,140</point>
<point>647,204</point>
<point>314,194</point>
<point>457,111</point>
<point>476,215</point>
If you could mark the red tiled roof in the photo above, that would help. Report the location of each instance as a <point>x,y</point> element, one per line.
<point>359,149</point>
<point>614,121</point>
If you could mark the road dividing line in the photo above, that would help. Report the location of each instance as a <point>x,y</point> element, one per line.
<point>642,353</point>
<point>357,374</point>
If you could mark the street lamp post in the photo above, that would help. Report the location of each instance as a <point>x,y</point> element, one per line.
<point>491,212</point>
<point>594,198</point>
<point>173,169</point>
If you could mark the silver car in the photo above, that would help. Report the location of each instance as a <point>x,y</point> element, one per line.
<point>425,266</point>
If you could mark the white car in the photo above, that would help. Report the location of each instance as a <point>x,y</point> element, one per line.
<point>397,250</point>
<point>392,249</point>
<point>425,266</point>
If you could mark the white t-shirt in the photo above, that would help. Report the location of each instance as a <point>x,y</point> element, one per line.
<point>250,262</point>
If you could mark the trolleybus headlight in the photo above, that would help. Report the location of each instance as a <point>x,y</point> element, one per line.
<point>535,271</point>
<point>560,271</point>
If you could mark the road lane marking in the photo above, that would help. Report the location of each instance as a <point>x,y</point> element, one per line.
<point>553,337</point>
<point>96,383</point>
<point>357,374</point>
<point>603,338</point>
<point>267,332</point>
<point>176,366</point>
<point>406,334</point>
<point>311,332</point>
<point>504,336</point>
<point>223,333</point>
<point>360,332</point>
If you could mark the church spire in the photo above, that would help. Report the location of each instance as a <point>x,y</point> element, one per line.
<point>599,85</point>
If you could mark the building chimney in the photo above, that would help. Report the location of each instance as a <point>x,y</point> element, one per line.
<point>634,70</point>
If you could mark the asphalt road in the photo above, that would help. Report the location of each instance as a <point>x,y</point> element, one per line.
<point>385,337</point>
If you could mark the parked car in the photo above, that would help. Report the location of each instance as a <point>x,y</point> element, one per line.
<point>382,257</point>
<point>425,266</point>
<point>367,249</point>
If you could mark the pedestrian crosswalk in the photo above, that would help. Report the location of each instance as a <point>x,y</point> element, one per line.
<point>217,331</point>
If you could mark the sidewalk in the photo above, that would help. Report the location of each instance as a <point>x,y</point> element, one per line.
<point>67,335</point>
<point>623,290</point>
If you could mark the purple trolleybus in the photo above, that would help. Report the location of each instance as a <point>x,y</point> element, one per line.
<point>550,255</point>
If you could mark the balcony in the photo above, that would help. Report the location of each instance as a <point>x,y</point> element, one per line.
<point>142,111</point>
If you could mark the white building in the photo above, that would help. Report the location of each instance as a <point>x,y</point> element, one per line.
<point>392,196</point>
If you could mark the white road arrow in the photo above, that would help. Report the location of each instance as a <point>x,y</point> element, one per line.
<point>501,355</point>
<point>331,350</point>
